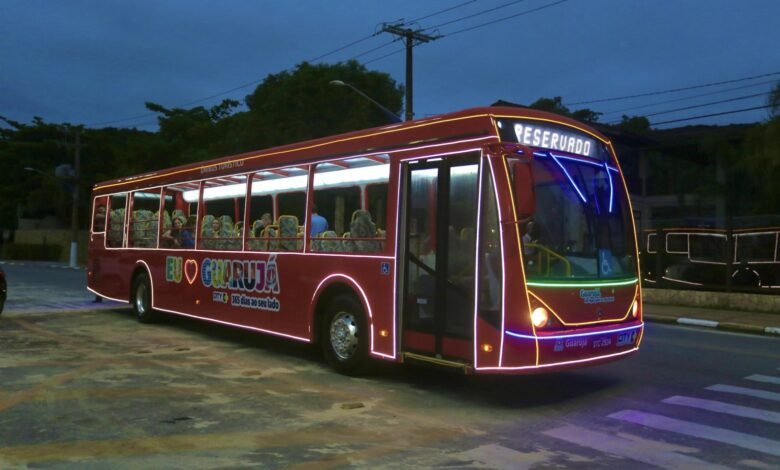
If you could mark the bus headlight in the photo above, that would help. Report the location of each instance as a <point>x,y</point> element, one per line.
<point>635,308</point>
<point>539,317</point>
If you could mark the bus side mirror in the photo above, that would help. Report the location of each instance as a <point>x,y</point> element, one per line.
<point>524,189</point>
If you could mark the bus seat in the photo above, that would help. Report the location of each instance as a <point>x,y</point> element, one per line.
<point>288,233</point>
<point>270,238</point>
<point>167,220</point>
<point>116,224</point>
<point>363,230</point>
<point>330,241</point>
<point>206,233</point>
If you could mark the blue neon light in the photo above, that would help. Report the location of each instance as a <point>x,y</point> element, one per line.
<point>571,180</point>
<point>611,189</point>
<point>577,335</point>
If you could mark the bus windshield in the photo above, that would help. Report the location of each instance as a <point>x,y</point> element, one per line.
<point>581,227</point>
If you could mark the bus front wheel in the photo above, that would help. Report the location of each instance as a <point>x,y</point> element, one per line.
<point>345,335</point>
<point>141,299</point>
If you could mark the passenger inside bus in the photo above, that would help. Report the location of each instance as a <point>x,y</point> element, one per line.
<point>178,236</point>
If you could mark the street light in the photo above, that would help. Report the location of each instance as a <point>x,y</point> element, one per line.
<point>391,115</point>
<point>73,216</point>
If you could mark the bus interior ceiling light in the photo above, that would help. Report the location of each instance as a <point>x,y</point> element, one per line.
<point>364,175</point>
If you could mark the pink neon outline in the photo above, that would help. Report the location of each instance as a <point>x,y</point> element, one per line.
<point>503,270</point>
<point>365,300</point>
<point>574,335</point>
<point>577,361</point>
<point>107,297</point>
<point>477,256</point>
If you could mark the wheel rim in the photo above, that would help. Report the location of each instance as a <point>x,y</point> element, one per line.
<point>344,335</point>
<point>140,299</point>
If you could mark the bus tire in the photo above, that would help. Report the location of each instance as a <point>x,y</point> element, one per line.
<point>141,299</point>
<point>344,335</point>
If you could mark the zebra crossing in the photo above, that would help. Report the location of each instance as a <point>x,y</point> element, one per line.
<point>753,432</point>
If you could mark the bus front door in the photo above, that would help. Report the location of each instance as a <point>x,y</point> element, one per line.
<point>439,257</point>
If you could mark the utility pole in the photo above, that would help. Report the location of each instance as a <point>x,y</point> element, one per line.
<point>412,38</point>
<point>74,212</point>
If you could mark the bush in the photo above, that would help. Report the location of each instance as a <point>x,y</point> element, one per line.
<point>32,252</point>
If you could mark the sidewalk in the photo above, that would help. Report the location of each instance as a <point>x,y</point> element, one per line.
<point>732,320</point>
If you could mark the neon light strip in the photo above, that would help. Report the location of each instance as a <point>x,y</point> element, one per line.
<point>237,325</point>
<point>564,363</point>
<point>503,266</point>
<point>587,323</point>
<point>124,301</point>
<point>682,282</point>
<point>365,301</point>
<point>583,284</point>
<point>571,180</point>
<point>611,189</point>
<point>477,264</point>
<point>575,335</point>
<point>136,179</point>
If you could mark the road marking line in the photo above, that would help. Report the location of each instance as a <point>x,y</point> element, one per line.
<point>697,322</point>
<point>649,452</point>
<point>764,378</point>
<point>745,391</point>
<point>725,408</point>
<point>687,428</point>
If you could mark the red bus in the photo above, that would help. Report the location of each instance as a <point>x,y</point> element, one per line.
<point>492,240</point>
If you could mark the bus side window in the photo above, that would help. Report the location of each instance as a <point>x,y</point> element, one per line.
<point>144,219</point>
<point>221,227</point>
<point>116,220</point>
<point>99,214</point>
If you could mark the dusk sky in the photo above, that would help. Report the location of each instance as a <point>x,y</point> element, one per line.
<point>97,62</point>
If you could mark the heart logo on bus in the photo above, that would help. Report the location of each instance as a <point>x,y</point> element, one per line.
<point>191,270</point>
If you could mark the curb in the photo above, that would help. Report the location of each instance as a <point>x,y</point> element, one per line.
<point>729,326</point>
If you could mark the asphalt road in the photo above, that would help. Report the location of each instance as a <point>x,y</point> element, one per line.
<point>94,389</point>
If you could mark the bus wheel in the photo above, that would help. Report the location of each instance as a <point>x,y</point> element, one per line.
<point>141,299</point>
<point>345,335</point>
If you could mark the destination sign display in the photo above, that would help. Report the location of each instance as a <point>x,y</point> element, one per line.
<point>548,137</point>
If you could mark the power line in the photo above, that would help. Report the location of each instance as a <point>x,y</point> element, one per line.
<point>698,106</point>
<point>479,13</point>
<point>617,98</point>
<point>753,85</point>
<point>533,10</point>
<point>714,114</point>
<point>440,12</point>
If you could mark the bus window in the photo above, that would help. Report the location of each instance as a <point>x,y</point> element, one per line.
<point>116,220</point>
<point>260,220</point>
<point>223,213</point>
<point>755,247</point>
<point>677,243</point>
<point>652,242</point>
<point>338,198</point>
<point>179,216</point>
<point>99,208</point>
<point>708,248</point>
<point>144,219</point>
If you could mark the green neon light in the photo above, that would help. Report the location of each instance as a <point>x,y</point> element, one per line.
<point>584,284</point>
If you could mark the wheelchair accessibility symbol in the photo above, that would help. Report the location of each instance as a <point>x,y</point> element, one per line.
<point>605,262</point>
<point>385,268</point>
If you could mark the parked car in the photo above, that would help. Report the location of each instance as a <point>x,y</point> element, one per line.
<point>3,289</point>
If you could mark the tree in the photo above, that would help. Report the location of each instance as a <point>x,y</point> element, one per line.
<point>555,105</point>
<point>302,104</point>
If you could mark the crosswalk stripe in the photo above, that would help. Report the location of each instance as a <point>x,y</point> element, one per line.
<point>764,378</point>
<point>687,428</point>
<point>745,391</point>
<point>725,408</point>
<point>649,452</point>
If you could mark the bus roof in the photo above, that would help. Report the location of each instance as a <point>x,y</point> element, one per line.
<point>465,124</point>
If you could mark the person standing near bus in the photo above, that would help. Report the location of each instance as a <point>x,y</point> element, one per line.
<point>318,223</point>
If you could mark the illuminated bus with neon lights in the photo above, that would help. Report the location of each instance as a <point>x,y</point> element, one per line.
<point>704,258</point>
<point>492,240</point>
